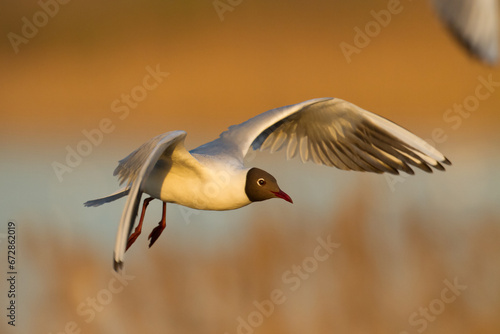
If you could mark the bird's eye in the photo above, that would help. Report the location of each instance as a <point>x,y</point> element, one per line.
<point>261,182</point>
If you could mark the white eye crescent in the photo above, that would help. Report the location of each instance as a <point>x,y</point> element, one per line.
<point>261,182</point>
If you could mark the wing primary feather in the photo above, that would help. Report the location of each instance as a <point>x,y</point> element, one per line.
<point>359,158</point>
<point>427,159</point>
<point>387,142</point>
<point>279,141</point>
<point>361,139</point>
<point>291,149</point>
<point>332,156</point>
<point>383,126</point>
<point>417,162</point>
<point>409,158</point>
<point>343,156</point>
<point>323,156</point>
<point>314,153</point>
<point>378,161</point>
<point>268,142</point>
<point>391,159</point>
<point>304,153</point>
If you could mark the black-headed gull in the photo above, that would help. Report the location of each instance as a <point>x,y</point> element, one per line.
<point>327,131</point>
<point>474,23</point>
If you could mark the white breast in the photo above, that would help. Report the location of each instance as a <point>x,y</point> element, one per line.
<point>211,185</point>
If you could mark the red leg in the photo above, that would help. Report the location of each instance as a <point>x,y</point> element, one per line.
<point>138,229</point>
<point>161,226</point>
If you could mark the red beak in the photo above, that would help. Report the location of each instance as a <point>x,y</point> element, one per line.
<point>283,195</point>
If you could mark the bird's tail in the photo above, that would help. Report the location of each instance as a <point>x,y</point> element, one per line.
<point>100,201</point>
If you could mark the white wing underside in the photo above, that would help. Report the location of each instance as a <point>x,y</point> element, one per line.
<point>331,132</point>
<point>474,23</point>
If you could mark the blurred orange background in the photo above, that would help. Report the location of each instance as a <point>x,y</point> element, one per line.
<point>402,240</point>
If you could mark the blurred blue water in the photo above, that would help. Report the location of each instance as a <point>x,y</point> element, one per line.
<point>468,191</point>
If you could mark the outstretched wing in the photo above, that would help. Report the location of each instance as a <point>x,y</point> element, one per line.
<point>331,132</point>
<point>474,23</point>
<point>134,169</point>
